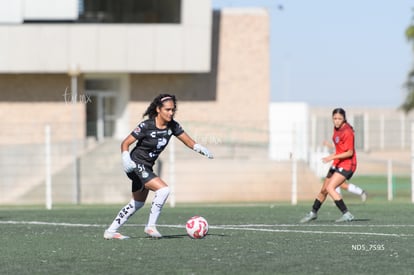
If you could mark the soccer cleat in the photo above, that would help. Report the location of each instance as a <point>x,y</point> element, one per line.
<point>114,235</point>
<point>309,217</point>
<point>364,196</point>
<point>346,217</point>
<point>152,232</point>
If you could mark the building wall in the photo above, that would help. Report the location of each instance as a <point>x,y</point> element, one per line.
<point>213,103</point>
<point>228,104</point>
<point>109,48</point>
<point>233,98</point>
<point>28,102</point>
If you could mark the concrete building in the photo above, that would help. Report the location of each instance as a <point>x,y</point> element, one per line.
<point>119,67</point>
<point>88,69</point>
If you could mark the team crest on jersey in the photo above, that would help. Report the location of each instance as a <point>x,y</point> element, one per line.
<point>169,132</point>
<point>336,139</point>
<point>145,174</point>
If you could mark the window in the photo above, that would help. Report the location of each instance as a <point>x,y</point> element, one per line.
<point>129,11</point>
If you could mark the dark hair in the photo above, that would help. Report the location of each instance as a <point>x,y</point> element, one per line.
<point>151,111</point>
<point>342,112</point>
<point>339,111</point>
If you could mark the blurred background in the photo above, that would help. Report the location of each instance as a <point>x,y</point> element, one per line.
<point>256,83</point>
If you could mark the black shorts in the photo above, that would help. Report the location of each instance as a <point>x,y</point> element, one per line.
<point>141,175</point>
<point>346,173</point>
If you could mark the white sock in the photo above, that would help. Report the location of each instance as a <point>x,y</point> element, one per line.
<point>355,189</point>
<point>126,212</point>
<point>161,196</point>
<point>338,190</point>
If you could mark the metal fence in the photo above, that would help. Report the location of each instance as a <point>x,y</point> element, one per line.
<point>28,169</point>
<point>372,132</point>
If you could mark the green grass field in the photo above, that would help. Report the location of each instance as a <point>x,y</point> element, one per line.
<point>376,186</point>
<point>243,239</point>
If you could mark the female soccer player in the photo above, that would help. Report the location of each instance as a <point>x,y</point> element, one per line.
<point>343,167</point>
<point>151,137</point>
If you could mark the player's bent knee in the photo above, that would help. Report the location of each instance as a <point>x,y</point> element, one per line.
<point>324,192</point>
<point>330,189</point>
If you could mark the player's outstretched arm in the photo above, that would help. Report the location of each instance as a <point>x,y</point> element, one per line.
<point>190,143</point>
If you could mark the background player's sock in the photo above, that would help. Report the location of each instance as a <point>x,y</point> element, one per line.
<point>355,189</point>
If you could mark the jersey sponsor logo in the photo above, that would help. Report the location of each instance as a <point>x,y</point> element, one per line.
<point>161,143</point>
<point>137,130</point>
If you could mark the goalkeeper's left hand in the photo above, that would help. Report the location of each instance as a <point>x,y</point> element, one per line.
<point>202,150</point>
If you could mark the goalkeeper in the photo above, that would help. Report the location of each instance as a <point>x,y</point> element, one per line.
<point>151,137</point>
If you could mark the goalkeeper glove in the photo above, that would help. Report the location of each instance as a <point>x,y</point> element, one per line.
<point>202,150</point>
<point>127,162</point>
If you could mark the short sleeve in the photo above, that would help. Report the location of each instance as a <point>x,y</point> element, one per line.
<point>139,131</point>
<point>176,128</point>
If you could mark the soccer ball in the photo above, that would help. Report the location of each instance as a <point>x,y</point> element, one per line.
<point>197,227</point>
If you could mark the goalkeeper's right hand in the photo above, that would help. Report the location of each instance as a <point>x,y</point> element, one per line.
<point>202,150</point>
<point>127,162</point>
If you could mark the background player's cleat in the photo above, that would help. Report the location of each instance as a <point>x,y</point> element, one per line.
<point>152,232</point>
<point>347,217</point>
<point>114,235</point>
<point>364,196</point>
<point>309,217</point>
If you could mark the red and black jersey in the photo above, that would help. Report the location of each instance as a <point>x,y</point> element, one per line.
<point>344,140</point>
<point>151,141</point>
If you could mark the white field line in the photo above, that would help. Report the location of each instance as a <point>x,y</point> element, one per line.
<point>321,225</point>
<point>51,223</point>
<point>314,231</point>
<point>249,227</point>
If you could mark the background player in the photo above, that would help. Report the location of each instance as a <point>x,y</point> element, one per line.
<point>343,167</point>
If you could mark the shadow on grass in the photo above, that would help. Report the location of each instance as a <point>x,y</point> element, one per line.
<point>326,222</point>
<point>177,236</point>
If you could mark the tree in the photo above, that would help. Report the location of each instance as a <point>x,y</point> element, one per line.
<point>408,104</point>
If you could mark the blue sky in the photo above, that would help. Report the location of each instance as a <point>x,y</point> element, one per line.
<point>349,53</point>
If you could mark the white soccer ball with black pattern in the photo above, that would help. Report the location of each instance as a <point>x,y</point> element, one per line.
<point>197,227</point>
